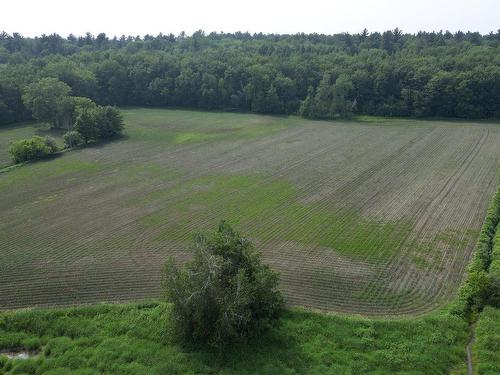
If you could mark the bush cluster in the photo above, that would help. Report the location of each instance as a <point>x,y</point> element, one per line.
<point>32,149</point>
<point>98,123</point>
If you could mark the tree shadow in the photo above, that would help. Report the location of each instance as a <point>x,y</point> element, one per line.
<point>51,132</point>
<point>103,143</point>
<point>274,351</point>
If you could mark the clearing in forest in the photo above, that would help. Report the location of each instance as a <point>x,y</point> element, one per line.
<point>378,219</point>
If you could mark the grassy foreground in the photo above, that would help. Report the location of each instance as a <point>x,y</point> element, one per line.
<point>487,345</point>
<point>134,339</point>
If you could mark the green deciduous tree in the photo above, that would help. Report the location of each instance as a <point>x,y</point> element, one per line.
<point>81,80</point>
<point>109,122</point>
<point>392,73</point>
<point>323,98</point>
<point>97,122</point>
<point>307,106</point>
<point>46,98</point>
<point>225,294</point>
<point>86,125</point>
<point>342,105</point>
<point>441,94</point>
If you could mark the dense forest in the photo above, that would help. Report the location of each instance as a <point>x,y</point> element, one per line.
<point>318,76</point>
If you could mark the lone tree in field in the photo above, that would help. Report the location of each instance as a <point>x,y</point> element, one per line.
<point>225,294</point>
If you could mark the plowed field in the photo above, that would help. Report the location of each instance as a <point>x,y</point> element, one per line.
<point>378,219</point>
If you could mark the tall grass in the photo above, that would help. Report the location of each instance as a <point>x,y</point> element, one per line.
<point>134,339</point>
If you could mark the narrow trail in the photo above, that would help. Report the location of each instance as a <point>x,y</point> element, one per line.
<point>470,369</point>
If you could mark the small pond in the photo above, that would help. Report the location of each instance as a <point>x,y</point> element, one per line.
<point>18,354</point>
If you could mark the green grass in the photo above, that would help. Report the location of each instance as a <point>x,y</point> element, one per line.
<point>47,170</point>
<point>197,126</point>
<point>414,120</point>
<point>270,208</point>
<point>372,119</point>
<point>487,345</point>
<point>134,339</point>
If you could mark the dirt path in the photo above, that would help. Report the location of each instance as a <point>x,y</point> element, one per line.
<point>470,370</point>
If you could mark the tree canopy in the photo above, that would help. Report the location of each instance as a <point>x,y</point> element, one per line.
<point>47,100</point>
<point>320,76</point>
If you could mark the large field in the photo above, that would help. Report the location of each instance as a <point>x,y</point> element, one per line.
<point>369,218</point>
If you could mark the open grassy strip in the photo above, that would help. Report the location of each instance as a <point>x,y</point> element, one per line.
<point>193,127</point>
<point>377,219</point>
<point>479,297</point>
<point>134,339</point>
<point>486,347</point>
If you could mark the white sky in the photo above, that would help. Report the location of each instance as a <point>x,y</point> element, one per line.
<point>140,17</point>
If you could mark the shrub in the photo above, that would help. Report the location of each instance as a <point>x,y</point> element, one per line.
<point>51,144</point>
<point>225,294</point>
<point>72,139</point>
<point>494,271</point>
<point>109,122</point>
<point>86,125</point>
<point>476,290</point>
<point>99,123</point>
<point>32,149</point>
<point>32,343</point>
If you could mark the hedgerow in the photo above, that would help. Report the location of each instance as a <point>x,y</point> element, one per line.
<point>494,271</point>
<point>482,281</point>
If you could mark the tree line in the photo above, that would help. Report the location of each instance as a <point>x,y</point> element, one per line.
<point>318,76</point>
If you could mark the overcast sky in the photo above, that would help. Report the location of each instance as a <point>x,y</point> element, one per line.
<point>140,17</point>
